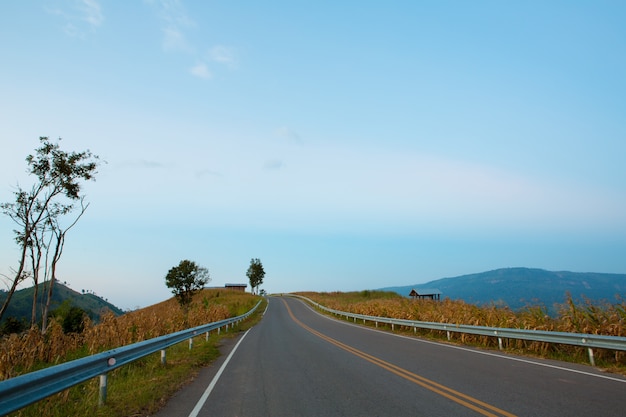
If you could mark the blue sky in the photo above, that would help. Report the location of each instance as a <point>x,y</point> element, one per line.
<point>348,145</point>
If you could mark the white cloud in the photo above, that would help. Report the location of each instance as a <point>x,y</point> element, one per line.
<point>171,11</point>
<point>340,187</point>
<point>289,134</point>
<point>175,24</point>
<point>81,17</point>
<point>207,173</point>
<point>223,55</point>
<point>141,164</point>
<point>174,40</point>
<point>273,164</point>
<point>201,71</point>
<point>92,12</point>
<point>175,19</point>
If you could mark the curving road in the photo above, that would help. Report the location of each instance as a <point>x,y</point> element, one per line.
<point>296,362</point>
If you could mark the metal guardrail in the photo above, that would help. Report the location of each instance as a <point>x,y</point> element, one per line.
<point>23,390</point>
<point>589,341</point>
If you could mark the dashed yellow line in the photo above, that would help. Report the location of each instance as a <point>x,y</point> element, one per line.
<point>453,395</point>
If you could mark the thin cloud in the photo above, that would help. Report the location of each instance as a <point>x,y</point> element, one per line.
<point>174,40</point>
<point>207,173</point>
<point>84,16</point>
<point>273,164</point>
<point>223,55</point>
<point>92,12</point>
<point>172,12</point>
<point>174,16</point>
<point>289,134</point>
<point>142,163</point>
<point>175,24</point>
<point>201,71</point>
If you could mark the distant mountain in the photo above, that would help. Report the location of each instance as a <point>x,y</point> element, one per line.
<point>520,287</point>
<point>22,302</point>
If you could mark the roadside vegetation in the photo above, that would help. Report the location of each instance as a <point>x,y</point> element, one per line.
<point>143,386</point>
<point>602,319</point>
<point>43,215</point>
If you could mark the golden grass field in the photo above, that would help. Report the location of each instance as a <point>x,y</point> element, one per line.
<point>601,319</point>
<point>144,385</point>
<point>33,350</point>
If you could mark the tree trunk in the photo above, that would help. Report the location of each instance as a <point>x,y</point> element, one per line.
<point>36,263</point>
<point>18,277</point>
<point>58,250</point>
<point>10,293</point>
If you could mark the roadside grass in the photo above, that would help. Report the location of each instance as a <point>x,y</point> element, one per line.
<point>380,304</point>
<point>558,352</point>
<point>142,387</point>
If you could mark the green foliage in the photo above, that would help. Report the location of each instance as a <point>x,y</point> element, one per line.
<point>13,325</point>
<point>42,214</point>
<point>255,273</point>
<point>71,317</point>
<point>185,280</point>
<point>21,303</point>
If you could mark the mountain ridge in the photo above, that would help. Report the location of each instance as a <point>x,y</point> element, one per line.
<point>519,287</point>
<point>22,301</point>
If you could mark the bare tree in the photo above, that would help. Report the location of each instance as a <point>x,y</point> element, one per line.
<point>40,212</point>
<point>57,241</point>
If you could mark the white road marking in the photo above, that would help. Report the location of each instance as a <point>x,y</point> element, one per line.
<point>207,392</point>
<point>510,358</point>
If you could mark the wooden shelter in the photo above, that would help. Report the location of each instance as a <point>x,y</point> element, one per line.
<point>425,294</point>
<point>236,287</point>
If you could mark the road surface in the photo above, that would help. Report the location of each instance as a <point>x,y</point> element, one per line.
<point>296,362</point>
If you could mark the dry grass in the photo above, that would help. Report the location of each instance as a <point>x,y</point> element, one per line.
<point>142,387</point>
<point>602,319</point>
<point>33,350</point>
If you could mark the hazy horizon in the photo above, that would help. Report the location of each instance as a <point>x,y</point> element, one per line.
<point>347,145</point>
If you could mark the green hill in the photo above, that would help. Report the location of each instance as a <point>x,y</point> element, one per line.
<point>520,287</point>
<point>22,302</point>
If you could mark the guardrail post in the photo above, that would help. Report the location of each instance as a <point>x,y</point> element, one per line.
<point>617,343</point>
<point>103,390</point>
<point>591,358</point>
<point>206,337</point>
<point>163,359</point>
<point>190,343</point>
<point>37,385</point>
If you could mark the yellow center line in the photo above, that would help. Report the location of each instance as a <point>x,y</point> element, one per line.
<point>456,396</point>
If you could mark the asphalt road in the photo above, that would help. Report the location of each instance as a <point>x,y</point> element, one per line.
<point>296,362</point>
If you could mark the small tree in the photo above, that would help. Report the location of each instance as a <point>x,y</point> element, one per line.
<point>255,274</point>
<point>185,280</point>
<point>43,215</point>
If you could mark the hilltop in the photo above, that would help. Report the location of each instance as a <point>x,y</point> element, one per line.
<point>520,287</point>
<point>22,302</point>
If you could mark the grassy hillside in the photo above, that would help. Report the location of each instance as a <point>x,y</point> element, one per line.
<point>521,287</point>
<point>605,319</point>
<point>140,388</point>
<point>22,302</point>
